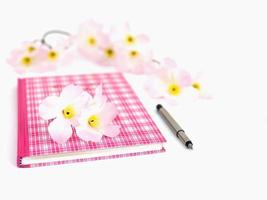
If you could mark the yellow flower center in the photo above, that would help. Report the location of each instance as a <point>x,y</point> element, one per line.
<point>133,54</point>
<point>91,41</point>
<point>129,39</point>
<point>52,55</point>
<point>197,86</point>
<point>109,52</point>
<point>69,112</point>
<point>174,89</point>
<point>26,61</point>
<point>94,121</point>
<point>31,49</point>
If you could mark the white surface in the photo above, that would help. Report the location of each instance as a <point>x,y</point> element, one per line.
<point>226,39</point>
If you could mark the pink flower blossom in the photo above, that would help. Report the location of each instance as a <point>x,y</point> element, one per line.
<point>26,58</point>
<point>135,59</point>
<point>110,54</point>
<point>96,119</point>
<point>170,82</point>
<point>96,122</point>
<point>91,115</point>
<point>128,37</point>
<point>36,57</point>
<point>53,58</point>
<point>135,55</point>
<point>200,87</point>
<point>64,110</point>
<point>89,39</point>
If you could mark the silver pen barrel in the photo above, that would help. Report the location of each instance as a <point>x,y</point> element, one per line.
<point>175,126</point>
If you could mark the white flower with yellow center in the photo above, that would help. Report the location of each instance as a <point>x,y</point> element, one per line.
<point>54,58</point>
<point>25,62</point>
<point>34,57</point>
<point>31,47</point>
<point>64,110</point>
<point>170,83</point>
<point>128,37</point>
<point>26,58</point>
<point>136,59</point>
<point>96,121</point>
<point>200,87</point>
<point>90,39</point>
<point>52,55</point>
<point>110,54</point>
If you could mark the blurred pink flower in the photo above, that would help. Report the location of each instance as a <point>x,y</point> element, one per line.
<point>136,59</point>
<point>128,37</point>
<point>170,82</point>
<point>89,39</point>
<point>134,56</point>
<point>36,57</point>
<point>200,87</point>
<point>30,47</point>
<point>53,58</point>
<point>26,58</point>
<point>110,54</point>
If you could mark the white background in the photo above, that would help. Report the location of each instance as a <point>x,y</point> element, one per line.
<point>225,39</point>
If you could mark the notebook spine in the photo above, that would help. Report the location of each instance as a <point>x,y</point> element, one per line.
<point>22,123</point>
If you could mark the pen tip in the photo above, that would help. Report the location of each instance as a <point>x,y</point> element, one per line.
<point>159,106</point>
<point>190,146</point>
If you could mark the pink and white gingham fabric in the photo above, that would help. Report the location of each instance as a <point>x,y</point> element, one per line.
<point>137,127</point>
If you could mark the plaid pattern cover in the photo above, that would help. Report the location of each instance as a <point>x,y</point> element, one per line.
<point>137,127</point>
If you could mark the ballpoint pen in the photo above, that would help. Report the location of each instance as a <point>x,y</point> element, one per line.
<point>179,132</point>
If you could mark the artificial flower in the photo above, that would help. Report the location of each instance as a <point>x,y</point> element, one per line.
<point>30,47</point>
<point>96,121</point>
<point>199,87</point>
<point>110,54</point>
<point>64,110</point>
<point>170,83</point>
<point>134,56</point>
<point>26,58</point>
<point>98,100</point>
<point>135,59</point>
<point>51,58</point>
<point>89,39</point>
<point>35,57</point>
<point>128,37</point>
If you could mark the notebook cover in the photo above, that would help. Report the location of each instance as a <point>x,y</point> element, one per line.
<point>137,127</point>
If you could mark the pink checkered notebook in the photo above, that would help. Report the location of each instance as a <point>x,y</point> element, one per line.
<point>139,135</point>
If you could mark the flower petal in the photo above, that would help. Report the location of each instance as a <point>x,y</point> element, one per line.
<point>154,87</point>
<point>98,90</point>
<point>185,78</point>
<point>143,38</point>
<point>60,130</point>
<point>111,130</point>
<point>187,96</point>
<point>81,101</point>
<point>99,99</point>
<point>48,109</point>
<point>80,104</point>
<point>107,114</point>
<point>88,134</point>
<point>169,63</point>
<point>70,92</point>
